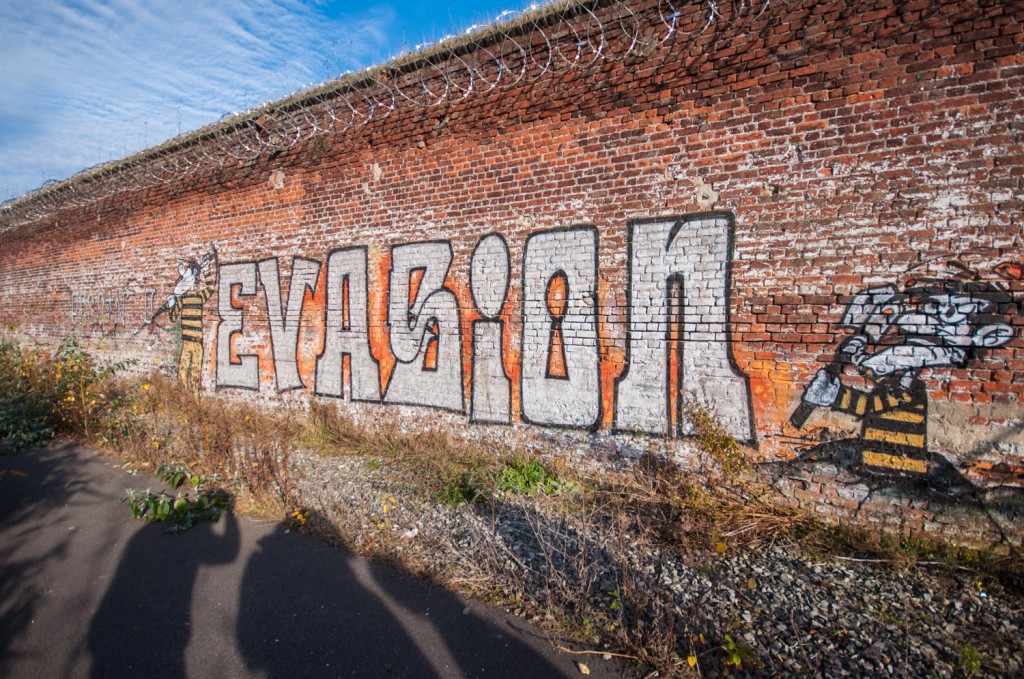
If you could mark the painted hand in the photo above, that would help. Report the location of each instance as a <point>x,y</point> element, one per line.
<point>823,389</point>
<point>853,349</point>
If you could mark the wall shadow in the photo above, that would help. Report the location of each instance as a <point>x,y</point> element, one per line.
<point>943,487</point>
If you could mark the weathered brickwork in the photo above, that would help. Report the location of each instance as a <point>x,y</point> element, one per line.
<point>808,218</point>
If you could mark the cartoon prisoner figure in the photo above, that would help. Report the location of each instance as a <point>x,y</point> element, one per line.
<point>196,283</point>
<point>931,323</point>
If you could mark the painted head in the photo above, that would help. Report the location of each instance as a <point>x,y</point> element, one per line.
<point>938,322</point>
<point>188,276</point>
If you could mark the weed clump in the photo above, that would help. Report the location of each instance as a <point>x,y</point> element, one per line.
<point>520,476</point>
<point>184,509</point>
<point>43,394</point>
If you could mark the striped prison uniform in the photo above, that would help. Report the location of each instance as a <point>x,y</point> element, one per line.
<point>894,424</point>
<point>189,307</point>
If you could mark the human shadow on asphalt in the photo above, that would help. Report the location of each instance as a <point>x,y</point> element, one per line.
<point>143,624</point>
<point>311,610</point>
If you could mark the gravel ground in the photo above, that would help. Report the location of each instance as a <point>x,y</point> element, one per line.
<point>790,612</point>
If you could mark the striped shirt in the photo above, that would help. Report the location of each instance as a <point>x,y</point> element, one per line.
<point>894,424</point>
<point>190,308</point>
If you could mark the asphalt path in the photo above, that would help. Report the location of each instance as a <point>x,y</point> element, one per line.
<point>87,591</point>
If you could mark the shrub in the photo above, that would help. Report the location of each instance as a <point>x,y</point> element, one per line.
<point>28,404</point>
<point>42,395</point>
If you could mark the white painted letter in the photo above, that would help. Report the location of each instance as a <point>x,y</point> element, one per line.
<point>488,283</point>
<point>284,329</point>
<point>678,303</point>
<point>425,332</point>
<point>561,378</point>
<point>348,330</point>
<point>245,374</point>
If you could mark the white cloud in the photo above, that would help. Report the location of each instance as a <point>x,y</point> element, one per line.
<point>87,81</point>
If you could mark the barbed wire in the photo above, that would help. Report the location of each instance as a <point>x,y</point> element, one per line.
<point>518,45</point>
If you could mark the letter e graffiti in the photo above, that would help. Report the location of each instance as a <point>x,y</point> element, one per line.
<point>243,373</point>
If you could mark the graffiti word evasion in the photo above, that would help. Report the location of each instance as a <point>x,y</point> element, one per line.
<point>676,334</point>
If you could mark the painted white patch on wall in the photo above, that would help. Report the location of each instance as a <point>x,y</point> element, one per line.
<point>561,371</point>
<point>678,295</point>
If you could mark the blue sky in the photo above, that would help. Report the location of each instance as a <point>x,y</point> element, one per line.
<point>84,82</point>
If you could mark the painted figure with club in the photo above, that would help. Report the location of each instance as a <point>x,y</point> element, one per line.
<point>196,282</point>
<point>931,323</point>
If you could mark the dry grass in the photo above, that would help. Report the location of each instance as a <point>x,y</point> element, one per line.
<point>236,445</point>
<point>449,469</point>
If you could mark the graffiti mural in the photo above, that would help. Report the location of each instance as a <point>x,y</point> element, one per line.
<point>413,324</point>
<point>196,283</point>
<point>677,330</point>
<point>676,341</point>
<point>929,323</point>
<point>348,330</point>
<point>561,373</point>
<point>677,299</point>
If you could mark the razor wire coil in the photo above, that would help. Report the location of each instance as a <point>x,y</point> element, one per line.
<point>516,46</point>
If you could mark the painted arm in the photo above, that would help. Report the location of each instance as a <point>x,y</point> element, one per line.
<point>170,307</point>
<point>208,268</point>
<point>824,389</point>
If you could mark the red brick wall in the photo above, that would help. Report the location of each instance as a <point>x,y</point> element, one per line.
<point>701,216</point>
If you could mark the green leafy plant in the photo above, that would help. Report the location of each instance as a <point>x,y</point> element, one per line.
<point>77,381</point>
<point>458,487</point>
<point>531,477</point>
<point>736,653</point>
<point>616,595</point>
<point>28,414</point>
<point>175,474</point>
<point>969,661</point>
<point>183,510</point>
<point>42,395</point>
